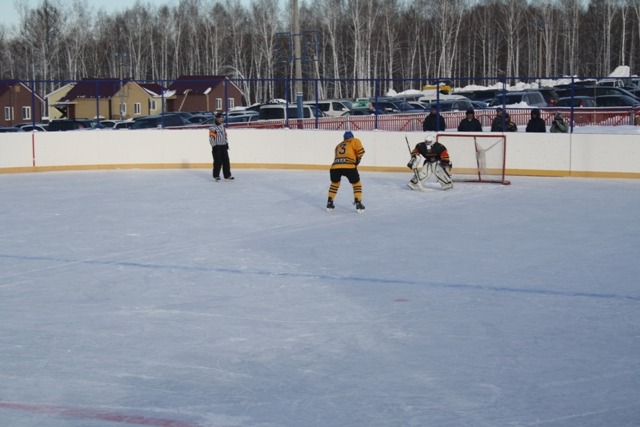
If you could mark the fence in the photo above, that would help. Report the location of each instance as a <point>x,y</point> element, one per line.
<point>413,122</point>
<point>314,89</point>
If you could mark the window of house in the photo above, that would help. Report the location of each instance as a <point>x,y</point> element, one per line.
<point>231,102</point>
<point>218,104</point>
<point>8,113</point>
<point>123,109</point>
<point>152,105</point>
<point>26,113</point>
<point>137,109</point>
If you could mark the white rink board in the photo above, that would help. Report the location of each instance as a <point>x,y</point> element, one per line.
<point>535,154</point>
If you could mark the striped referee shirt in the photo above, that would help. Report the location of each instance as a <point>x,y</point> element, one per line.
<point>217,135</point>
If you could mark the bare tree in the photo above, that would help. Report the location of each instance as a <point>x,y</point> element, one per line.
<point>362,16</point>
<point>366,47</point>
<point>40,34</point>
<point>448,20</point>
<point>570,34</point>
<point>264,19</point>
<point>511,18</point>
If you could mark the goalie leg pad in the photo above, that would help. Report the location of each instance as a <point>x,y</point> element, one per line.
<point>424,172</point>
<point>415,185</point>
<point>443,176</point>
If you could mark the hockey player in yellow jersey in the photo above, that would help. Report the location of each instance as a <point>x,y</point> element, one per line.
<point>345,163</point>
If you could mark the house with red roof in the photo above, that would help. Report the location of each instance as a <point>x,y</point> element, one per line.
<point>111,99</point>
<point>19,103</point>
<point>203,93</point>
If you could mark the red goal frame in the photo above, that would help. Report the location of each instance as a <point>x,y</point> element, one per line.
<point>471,163</point>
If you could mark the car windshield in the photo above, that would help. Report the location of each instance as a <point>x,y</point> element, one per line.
<point>403,105</point>
<point>507,99</point>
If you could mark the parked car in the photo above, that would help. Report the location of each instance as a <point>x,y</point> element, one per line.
<point>124,124</point>
<point>596,91</point>
<point>616,101</point>
<point>549,94</point>
<point>462,104</point>
<point>239,111</point>
<point>419,105</point>
<point>254,107</point>
<point>160,121</point>
<point>576,102</point>
<point>4,129</point>
<point>281,112</point>
<point>200,118</point>
<point>485,95</point>
<point>108,123</point>
<point>38,127</point>
<point>564,90</point>
<point>73,124</point>
<point>362,112</point>
<point>479,105</point>
<point>246,115</point>
<point>362,107</point>
<point>532,98</point>
<point>331,107</point>
<point>394,106</point>
<point>244,118</point>
<point>21,125</point>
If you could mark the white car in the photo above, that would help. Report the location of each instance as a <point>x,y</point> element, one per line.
<point>331,107</point>
<point>124,124</point>
<point>35,128</point>
<point>281,112</point>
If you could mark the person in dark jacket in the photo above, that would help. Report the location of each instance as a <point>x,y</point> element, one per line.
<point>498,121</point>
<point>510,126</point>
<point>434,121</point>
<point>470,123</point>
<point>536,124</point>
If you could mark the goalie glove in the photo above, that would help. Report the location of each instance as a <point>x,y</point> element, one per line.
<point>414,162</point>
<point>446,166</point>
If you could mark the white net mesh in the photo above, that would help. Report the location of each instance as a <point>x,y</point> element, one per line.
<point>476,157</point>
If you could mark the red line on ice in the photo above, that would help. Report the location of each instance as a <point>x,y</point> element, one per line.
<point>96,415</point>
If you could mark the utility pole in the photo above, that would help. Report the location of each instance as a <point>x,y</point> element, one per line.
<point>121,57</point>
<point>297,53</point>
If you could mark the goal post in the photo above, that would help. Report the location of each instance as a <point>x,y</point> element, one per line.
<point>476,157</point>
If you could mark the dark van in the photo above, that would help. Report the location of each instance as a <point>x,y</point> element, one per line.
<point>160,121</point>
<point>72,124</point>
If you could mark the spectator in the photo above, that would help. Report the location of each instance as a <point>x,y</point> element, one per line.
<point>470,123</point>
<point>434,121</point>
<point>536,124</point>
<point>510,126</point>
<point>498,124</point>
<point>559,124</point>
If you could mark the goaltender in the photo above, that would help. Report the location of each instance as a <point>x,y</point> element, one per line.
<point>436,161</point>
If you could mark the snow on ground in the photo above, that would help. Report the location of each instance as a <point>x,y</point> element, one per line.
<point>160,298</point>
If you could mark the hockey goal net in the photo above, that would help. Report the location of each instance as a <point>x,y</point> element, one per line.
<point>476,157</point>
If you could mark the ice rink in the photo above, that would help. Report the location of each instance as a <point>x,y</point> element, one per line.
<point>160,298</point>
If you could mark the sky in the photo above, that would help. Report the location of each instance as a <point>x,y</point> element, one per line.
<point>160,298</point>
<point>10,15</point>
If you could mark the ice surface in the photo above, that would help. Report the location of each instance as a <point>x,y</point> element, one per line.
<point>161,298</point>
